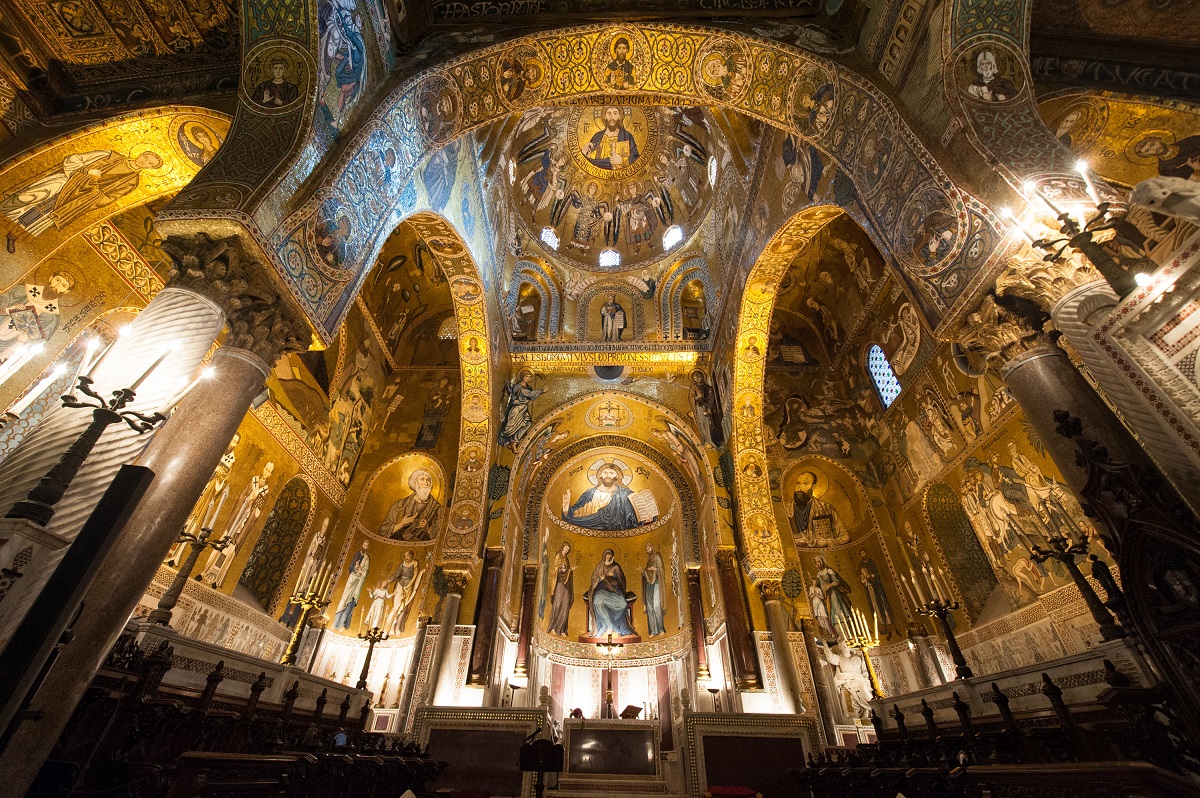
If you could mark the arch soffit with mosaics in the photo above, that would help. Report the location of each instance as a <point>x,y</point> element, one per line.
<point>919,189</point>
<point>521,503</point>
<point>461,539</point>
<point>762,545</point>
<point>157,129</point>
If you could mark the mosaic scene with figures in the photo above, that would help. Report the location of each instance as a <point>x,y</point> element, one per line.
<point>793,399</point>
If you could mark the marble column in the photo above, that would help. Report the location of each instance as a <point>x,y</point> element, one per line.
<point>785,663</point>
<point>525,628</point>
<point>696,616</point>
<point>1043,379</point>
<point>179,317</point>
<point>743,662</point>
<point>182,454</point>
<point>456,582</point>
<point>1039,374</point>
<point>487,618</point>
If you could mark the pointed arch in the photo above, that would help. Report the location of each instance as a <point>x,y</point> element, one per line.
<point>288,521</point>
<point>467,511</point>
<point>756,515</point>
<point>909,200</point>
<point>670,311</point>
<point>532,272</point>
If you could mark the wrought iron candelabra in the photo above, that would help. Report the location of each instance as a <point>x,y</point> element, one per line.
<point>1065,551</point>
<point>940,607</point>
<point>1080,237</point>
<point>39,504</point>
<point>372,636</point>
<point>315,595</point>
<point>855,634</point>
<point>199,544</point>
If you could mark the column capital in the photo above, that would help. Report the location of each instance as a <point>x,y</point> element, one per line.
<point>456,581</point>
<point>998,335</point>
<point>770,590</point>
<point>261,318</point>
<point>1045,282</point>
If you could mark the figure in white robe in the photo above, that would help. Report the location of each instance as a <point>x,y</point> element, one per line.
<point>248,509</point>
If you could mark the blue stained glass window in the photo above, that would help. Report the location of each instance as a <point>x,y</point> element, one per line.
<point>881,372</point>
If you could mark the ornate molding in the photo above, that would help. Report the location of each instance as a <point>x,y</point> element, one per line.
<point>1045,282</point>
<point>997,335</point>
<point>261,319</point>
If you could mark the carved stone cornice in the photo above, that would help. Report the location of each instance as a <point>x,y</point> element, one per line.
<point>997,335</point>
<point>1045,282</point>
<point>262,319</point>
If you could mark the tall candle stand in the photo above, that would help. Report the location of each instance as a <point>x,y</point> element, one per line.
<point>855,634</point>
<point>1065,552</point>
<point>38,504</point>
<point>315,595</point>
<point>940,607</point>
<point>200,544</point>
<point>372,636</point>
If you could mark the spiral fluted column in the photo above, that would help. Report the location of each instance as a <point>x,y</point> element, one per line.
<point>214,282</point>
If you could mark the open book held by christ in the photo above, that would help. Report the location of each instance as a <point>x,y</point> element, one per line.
<point>644,505</point>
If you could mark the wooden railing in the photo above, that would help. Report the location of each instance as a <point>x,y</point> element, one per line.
<point>1129,746</point>
<point>131,736</point>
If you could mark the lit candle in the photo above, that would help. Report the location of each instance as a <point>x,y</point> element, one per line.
<point>206,373</point>
<point>148,371</point>
<point>1082,168</point>
<point>909,591</point>
<point>88,351</point>
<point>1016,221</point>
<point>1032,187</point>
<point>37,390</point>
<point>91,369</point>
<point>876,616</point>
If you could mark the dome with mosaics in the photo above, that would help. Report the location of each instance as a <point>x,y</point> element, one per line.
<point>613,187</point>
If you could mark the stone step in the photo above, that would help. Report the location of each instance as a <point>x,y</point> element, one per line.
<point>605,786</point>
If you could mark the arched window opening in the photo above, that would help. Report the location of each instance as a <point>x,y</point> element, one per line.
<point>881,372</point>
<point>673,236</point>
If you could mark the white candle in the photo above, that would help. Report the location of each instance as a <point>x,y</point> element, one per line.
<point>37,390</point>
<point>91,369</point>
<point>208,514</point>
<point>1016,220</point>
<point>148,371</point>
<point>933,585</point>
<point>876,616</point>
<point>1082,168</point>
<point>88,352</point>
<point>217,511</point>
<point>917,584</point>
<point>909,591</point>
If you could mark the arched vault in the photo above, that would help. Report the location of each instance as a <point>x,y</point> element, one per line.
<point>763,549</point>
<point>910,199</point>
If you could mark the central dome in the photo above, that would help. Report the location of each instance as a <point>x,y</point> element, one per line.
<point>603,186</point>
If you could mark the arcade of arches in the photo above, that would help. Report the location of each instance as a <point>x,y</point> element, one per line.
<point>694,390</point>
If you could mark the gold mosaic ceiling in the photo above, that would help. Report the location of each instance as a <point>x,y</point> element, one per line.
<point>590,181</point>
